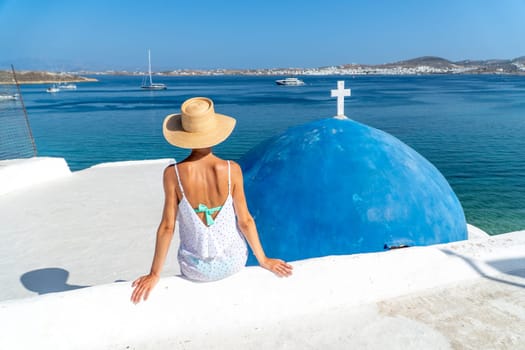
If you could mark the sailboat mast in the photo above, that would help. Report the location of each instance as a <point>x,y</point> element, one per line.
<point>151,85</point>
<point>149,67</point>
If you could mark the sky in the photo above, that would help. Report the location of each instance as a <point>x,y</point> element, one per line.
<point>206,34</point>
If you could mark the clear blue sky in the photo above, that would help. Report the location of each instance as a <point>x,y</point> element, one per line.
<point>115,34</point>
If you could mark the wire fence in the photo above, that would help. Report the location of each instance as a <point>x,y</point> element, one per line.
<point>16,138</point>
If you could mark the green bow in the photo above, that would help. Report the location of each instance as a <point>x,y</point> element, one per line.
<point>207,212</point>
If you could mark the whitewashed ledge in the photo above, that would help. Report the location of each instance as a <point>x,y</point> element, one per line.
<point>21,173</point>
<point>468,294</point>
<point>95,226</point>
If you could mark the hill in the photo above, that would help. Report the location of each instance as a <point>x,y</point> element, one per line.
<point>30,77</point>
<point>430,61</point>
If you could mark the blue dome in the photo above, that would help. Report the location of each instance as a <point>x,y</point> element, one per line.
<point>336,186</point>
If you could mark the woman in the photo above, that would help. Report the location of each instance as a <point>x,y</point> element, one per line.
<point>205,194</point>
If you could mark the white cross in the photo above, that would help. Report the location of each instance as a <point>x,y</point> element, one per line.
<point>340,93</point>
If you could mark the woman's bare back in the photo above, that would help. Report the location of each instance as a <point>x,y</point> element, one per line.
<point>204,181</point>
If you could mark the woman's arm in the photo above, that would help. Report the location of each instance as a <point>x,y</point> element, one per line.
<point>144,284</point>
<point>248,228</point>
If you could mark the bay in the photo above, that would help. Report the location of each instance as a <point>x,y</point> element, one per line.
<point>472,128</point>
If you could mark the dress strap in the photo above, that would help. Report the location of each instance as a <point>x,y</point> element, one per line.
<point>229,178</point>
<point>178,178</point>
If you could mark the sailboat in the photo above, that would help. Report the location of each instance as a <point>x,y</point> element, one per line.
<point>147,82</point>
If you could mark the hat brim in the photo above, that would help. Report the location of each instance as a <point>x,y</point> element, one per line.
<point>177,136</point>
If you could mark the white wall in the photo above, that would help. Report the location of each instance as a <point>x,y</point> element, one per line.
<point>20,173</point>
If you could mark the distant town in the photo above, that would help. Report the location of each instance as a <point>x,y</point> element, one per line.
<point>421,65</point>
<point>418,66</point>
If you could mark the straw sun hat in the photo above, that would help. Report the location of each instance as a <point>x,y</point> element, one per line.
<point>197,126</point>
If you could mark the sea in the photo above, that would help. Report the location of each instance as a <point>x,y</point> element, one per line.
<point>472,128</point>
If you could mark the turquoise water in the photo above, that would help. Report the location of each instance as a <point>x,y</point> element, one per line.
<point>472,128</point>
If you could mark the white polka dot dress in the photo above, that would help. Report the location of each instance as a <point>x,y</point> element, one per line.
<point>209,253</point>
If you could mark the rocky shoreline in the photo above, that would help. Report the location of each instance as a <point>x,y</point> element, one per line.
<point>36,77</point>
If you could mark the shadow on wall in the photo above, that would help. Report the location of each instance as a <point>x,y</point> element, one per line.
<point>48,280</point>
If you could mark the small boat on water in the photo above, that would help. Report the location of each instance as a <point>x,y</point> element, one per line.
<point>147,82</point>
<point>67,86</point>
<point>290,82</point>
<point>5,96</point>
<point>53,88</point>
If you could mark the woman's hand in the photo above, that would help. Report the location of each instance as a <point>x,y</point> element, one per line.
<point>142,287</point>
<point>277,266</point>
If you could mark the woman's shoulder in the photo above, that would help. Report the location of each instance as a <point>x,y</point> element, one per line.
<point>169,172</point>
<point>234,165</point>
<point>169,168</point>
<point>222,164</point>
<point>218,165</point>
<point>236,170</point>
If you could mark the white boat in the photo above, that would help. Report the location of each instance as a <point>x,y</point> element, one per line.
<point>53,88</point>
<point>5,96</point>
<point>147,82</point>
<point>290,82</point>
<point>67,86</point>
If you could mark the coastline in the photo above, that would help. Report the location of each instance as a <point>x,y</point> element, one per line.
<point>276,74</point>
<point>49,81</point>
<point>426,65</point>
